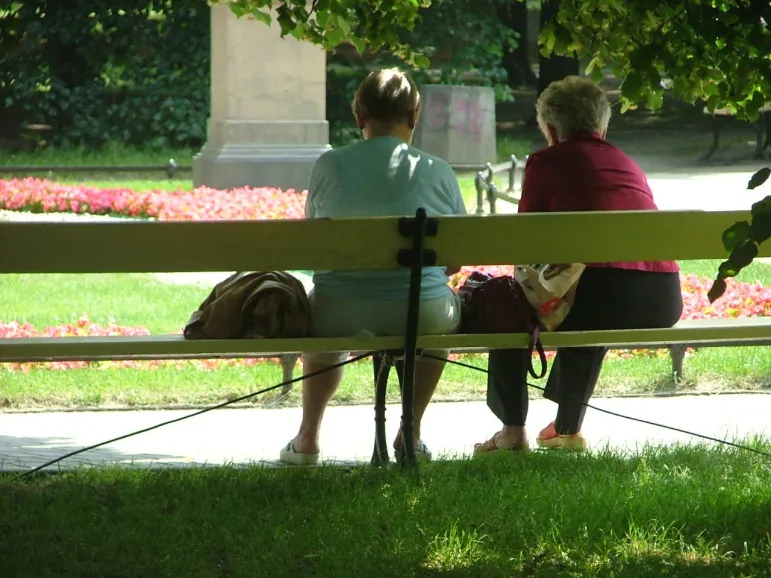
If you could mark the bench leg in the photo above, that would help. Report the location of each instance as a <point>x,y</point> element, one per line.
<point>677,353</point>
<point>287,365</point>
<point>415,261</point>
<point>381,367</point>
<point>717,126</point>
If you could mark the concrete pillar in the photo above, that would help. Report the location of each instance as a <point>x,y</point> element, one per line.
<point>268,107</point>
<point>457,123</point>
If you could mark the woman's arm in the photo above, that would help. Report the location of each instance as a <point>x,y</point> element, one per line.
<point>320,176</point>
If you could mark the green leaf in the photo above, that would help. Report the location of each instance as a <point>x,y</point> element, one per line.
<point>735,234</point>
<point>654,99</point>
<point>716,291</point>
<point>741,256</point>
<point>421,61</point>
<point>760,230</point>
<point>285,20</point>
<point>360,45</point>
<point>759,178</point>
<point>632,86</point>
<point>263,17</point>
<point>334,37</point>
<point>547,39</point>
<point>593,64</point>
<point>343,25</point>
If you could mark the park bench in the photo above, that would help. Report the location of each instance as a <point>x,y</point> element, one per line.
<point>762,128</point>
<point>367,243</point>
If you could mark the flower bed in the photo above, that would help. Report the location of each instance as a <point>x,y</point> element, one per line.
<point>44,196</point>
<point>83,327</point>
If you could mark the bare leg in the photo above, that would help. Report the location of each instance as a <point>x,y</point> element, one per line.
<point>427,376</point>
<point>316,393</point>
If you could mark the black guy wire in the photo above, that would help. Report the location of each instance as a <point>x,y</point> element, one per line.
<point>358,358</point>
<point>616,414</point>
<point>199,412</point>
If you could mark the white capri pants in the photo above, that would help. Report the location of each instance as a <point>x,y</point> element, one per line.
<point>333,317</point>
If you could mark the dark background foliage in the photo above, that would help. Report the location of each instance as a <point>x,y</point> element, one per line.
<point>130,71</point>
<point>137,72</point>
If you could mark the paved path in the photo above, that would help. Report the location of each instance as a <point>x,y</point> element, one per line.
<point>694,189</point>
<point>247,436</point>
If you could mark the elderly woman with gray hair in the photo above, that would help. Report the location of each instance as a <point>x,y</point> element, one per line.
<point>580,171</point>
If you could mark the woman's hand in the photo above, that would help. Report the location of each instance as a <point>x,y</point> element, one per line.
<point>450,271</point>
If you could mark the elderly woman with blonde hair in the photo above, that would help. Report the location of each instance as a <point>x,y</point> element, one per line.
<point>580,171</point>
<point>381,176</point>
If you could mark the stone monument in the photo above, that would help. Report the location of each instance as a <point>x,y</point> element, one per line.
<point>457,123</point>
<point>268,107</point>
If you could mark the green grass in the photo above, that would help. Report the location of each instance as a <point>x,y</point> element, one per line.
<point>142,300</point>
<point>110,155</point>
<point>680,511</point>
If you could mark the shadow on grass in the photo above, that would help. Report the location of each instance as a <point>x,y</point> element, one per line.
<point>680,511</point>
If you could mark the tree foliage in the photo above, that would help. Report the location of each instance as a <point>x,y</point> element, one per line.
<point>367,25</point>
<point>715,50</point>
<point>127,71</point>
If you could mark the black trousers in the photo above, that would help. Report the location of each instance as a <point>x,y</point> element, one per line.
<point>605,299</point>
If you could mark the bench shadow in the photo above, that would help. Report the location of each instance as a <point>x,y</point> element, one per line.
<point>19,454</point>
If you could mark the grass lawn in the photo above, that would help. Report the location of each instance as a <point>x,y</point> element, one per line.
<point>680,511</point>
<point>142,300</point>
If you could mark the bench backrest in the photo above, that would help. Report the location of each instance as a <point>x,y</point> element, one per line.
<point>366,243</point>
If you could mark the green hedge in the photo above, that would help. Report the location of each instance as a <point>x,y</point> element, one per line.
<point>129,71</point>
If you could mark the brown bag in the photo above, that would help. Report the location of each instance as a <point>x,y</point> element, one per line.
<point>499,305</point>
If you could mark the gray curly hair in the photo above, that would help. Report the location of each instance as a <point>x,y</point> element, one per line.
<point>573,105</point>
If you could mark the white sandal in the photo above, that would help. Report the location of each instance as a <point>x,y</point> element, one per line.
<point>291,456</point>
<point>422,453</point>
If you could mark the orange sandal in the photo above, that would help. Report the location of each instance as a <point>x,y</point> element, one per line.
<point>550,439</point>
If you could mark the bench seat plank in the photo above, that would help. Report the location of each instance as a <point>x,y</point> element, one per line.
<point>284,245</point>
<point>747,331</point>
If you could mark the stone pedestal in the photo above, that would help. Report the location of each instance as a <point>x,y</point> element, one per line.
<point>457,123</point>
<point>268,107</point>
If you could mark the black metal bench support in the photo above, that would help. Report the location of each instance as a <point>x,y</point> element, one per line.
<point>415,258</point>
<point>762,128</point>
<point>382,362</point>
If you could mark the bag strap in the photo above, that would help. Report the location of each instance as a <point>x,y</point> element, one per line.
<point>535,344</point>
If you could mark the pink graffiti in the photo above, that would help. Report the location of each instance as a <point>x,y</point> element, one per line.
<point>465,115</point>
<point>468,117</point>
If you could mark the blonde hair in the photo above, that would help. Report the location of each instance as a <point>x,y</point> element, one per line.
<point>573,105</point>
<point>388,96</point>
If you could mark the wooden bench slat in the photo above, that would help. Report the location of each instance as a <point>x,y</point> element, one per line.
<point>279,245</point>
<point>747,331</point>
